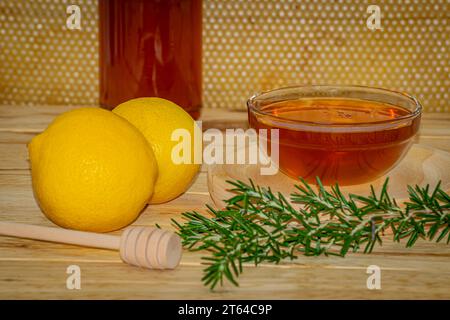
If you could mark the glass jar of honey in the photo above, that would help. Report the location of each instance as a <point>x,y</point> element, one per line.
<point>151,48</point>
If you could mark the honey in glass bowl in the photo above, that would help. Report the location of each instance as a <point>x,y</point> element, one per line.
<point>341,134</point>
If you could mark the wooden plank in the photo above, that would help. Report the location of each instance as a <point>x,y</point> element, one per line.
<point>13,156</point>
<point>28,118</point>
<point>8,137</point>
<point>33,269</point>
<point>45,278</point>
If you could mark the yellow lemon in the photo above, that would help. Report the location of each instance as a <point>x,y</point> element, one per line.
<point>92,170</point>
<point>157,119</point>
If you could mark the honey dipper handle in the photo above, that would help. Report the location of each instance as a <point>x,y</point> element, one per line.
<point>80,238</point>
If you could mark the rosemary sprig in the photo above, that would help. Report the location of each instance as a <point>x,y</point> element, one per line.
<point>258,225</point>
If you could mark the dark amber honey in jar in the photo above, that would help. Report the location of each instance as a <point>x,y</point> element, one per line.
<point>151,48</point>
<point>338,139</point>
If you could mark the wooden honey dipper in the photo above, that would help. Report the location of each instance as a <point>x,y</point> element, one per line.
<point>145,247</point>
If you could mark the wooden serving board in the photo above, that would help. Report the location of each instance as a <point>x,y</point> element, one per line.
<point>421,166</point>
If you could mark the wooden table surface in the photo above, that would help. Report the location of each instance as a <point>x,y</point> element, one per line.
<point>37,270</point>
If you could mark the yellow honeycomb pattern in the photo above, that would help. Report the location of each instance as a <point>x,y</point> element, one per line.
<point>248,46</point>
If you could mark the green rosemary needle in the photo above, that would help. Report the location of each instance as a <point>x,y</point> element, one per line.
<point>258,225</point>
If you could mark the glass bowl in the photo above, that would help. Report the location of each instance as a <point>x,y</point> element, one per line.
<point>341,134</point>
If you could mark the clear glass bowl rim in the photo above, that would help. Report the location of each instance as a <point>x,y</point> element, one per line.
<point>415,113</point>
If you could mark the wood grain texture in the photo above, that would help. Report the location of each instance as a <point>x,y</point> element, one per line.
<point>37,270</point>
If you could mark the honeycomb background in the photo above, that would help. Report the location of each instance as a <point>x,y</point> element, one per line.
<point>248,46</point>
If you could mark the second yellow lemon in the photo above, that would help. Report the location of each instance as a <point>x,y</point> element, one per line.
<point>157,119</point>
